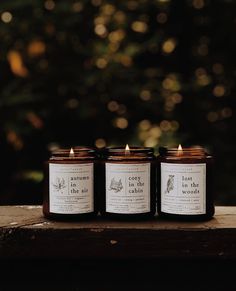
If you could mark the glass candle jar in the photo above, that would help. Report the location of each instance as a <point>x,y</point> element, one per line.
<point>70,184</point>
<point>128,183</point>
<point>186,187</point>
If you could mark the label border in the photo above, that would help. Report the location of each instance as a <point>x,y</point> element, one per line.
<point>204,187</point>
<point>148,186</point>
<point>92,180</point>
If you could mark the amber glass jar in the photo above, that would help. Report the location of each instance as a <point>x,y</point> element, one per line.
<point>186,186</point>
<point>128,183</point>
<point>71,184</point>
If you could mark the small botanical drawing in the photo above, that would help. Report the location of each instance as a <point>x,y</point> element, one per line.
<point>170,184</point>
<point>59,184</point>
<point>116,185</point>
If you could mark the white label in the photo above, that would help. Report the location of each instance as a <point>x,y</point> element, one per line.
<point>183,188</point>
<point>128,188</point>
<point>71,188</point>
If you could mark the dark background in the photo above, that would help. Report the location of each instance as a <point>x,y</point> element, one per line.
<point>105,73</point>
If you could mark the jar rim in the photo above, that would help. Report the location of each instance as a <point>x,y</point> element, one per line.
<point>132,149</point>
<point>134,152</point>
<point>78,151</point>
<point>184,152</point>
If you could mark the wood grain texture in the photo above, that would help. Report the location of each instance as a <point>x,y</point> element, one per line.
<point>25,233</point>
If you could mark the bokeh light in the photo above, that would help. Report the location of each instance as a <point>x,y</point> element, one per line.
<point>6,17</point>
<point>101,73</point>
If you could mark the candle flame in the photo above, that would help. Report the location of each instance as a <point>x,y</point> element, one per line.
<point>180,147</point>
<point>180,150</point>
<point>72,154</point>
<point>127,150</point>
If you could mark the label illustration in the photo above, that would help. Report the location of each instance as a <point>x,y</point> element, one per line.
<point>127,188</point>
<point>183,188</point>
<point>116,185</point>
<point>71,188</point>
<point>170,184</point>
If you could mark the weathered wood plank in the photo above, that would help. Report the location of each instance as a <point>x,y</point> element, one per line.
<point>15,216</point>
<point>19,216</point>
<point>24,233</point>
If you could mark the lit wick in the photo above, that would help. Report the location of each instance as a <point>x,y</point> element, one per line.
<point>180,150</point>
<point>72,154</point>
<point>127,150</point>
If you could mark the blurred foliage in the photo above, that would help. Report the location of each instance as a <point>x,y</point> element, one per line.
<point>148,72</point>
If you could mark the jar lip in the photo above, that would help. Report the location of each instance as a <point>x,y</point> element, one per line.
<point>79,151</point>
<point>133,150</point>
<point>184,152</point>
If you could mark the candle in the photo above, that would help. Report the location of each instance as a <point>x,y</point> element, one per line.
<point>70,184</point>
<point>185,184</point>
<point>128,183</point>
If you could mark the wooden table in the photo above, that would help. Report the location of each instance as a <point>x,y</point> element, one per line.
<point>24,232</point>
<point>109,255</point>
